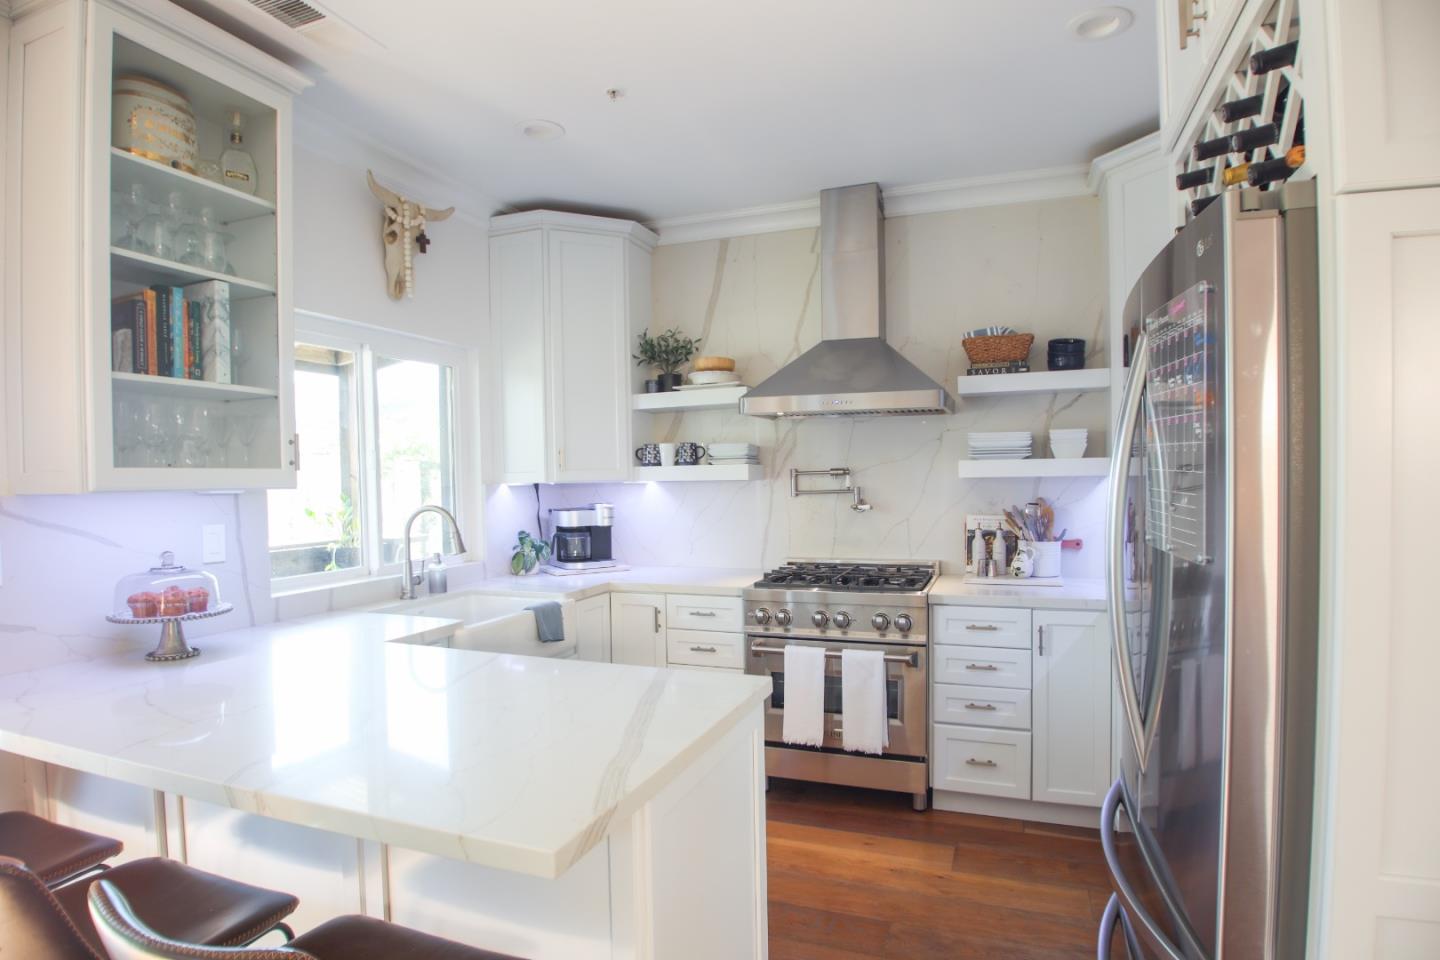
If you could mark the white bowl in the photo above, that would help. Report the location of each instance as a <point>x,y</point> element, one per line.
<point>706,377</point>
<point>1067,449</point>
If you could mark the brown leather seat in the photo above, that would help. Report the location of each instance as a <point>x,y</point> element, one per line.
<point>52,852</point>
<point>183,903</point>
<point>32,923</point>
<point>365,938</point>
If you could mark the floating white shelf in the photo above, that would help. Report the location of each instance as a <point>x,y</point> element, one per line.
<point>1040,381</point>
<point>679,401</point>
<point>185,389</point>
<point>144,270</point>
<point>703,471</point>
<point>160,181</point>
<point>1033,467</point>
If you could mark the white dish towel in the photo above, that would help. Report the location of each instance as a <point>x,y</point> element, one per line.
<point>862,705</point>
<point>804,720</point>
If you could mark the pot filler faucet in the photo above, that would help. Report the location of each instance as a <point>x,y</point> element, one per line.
<point>408,580</point>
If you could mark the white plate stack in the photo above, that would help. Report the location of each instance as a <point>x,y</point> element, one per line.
<point>1068,444</point>
<point>732,453</point>
<point>1000,446</point>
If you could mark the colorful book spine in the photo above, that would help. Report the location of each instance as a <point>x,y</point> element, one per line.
<point>127,331</point>
<point>213,296</point>
<point>164,336</point>
<point>985,369</point>
<point>192,339</point>
<point>177,332</point>
<point>152,335</point>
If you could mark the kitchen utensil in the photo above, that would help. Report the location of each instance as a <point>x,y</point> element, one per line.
<point>688,454</point>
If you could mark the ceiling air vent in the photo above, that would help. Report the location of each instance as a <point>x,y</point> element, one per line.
<point>295,14</point>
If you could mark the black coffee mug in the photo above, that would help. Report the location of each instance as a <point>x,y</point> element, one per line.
<point>648,455</point>
<point>688,454</point>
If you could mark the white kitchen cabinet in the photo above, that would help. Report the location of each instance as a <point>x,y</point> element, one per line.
<point>637,629</point>
<point>704,648</point>
<point>1071,707</point>
<point>1189,49</point>
<point>1384,77</point>
<point>977,760</point>
<point>592,629</point>
<point>693,612</point>
<point>73,423</point>
<point>568,296</point>
<point>981,626</point>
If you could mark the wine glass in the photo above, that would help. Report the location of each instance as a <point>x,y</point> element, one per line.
<point>222,432</point>
<point>213,241</point>
<point>129,451</point>
<point>194,422</point>
<point>246,429</point>
<point>157,429</point>
<point>127,210</point>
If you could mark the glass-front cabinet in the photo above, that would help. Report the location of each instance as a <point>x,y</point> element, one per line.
<point>182,354</point>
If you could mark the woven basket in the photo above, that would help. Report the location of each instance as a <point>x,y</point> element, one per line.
<point>1006,348</point>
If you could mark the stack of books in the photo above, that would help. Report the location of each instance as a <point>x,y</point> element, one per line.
<point>1009,366</point>
<point>179,332</point>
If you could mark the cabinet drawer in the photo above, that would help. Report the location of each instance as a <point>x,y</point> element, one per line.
<point>981,706</point>
<point>704,648</point>
<point>981,626</point>
<point>978,760</point>
<point>705,613</point>
<point>981,666</point>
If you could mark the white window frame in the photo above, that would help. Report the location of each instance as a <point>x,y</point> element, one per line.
<point>365,341</point>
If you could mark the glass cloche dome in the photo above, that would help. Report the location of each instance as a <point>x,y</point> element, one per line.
<point>166,591</point>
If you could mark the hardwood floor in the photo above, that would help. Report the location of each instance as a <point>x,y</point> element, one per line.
<point>859,875</point>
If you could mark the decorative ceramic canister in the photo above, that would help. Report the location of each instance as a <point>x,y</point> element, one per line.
<point>153,121</point>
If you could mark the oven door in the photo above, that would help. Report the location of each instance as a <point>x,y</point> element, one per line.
<point>905,693</point>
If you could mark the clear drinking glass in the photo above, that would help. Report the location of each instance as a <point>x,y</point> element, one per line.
<point>222,432</point>
<point>213,242</point>
<point>151,235</point>
<point>128,427</point>
<point>127,211</point>
<point>157,431</point>
<point>192,447</point>
<point>189,244</point>
<point>246,429</point>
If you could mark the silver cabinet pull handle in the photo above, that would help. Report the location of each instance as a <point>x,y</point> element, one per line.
<point>981,626</point>
<point>981,763</point>
<point>702,613</point>
<point>981,666</point>
<point>657,619</point>
<point>980,706</point>
<point>1041,631</point>
<point>702,649</point>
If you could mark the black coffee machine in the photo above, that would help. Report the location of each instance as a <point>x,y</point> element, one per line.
<point>580,537</point>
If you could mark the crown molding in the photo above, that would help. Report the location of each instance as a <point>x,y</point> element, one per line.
<point>1147,147</point>
<point>636,233</point>
<point>903,201</point>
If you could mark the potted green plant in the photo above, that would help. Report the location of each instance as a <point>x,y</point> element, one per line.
<point>529,554</point>
<point>667,353</point>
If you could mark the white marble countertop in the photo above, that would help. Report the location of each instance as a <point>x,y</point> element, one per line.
<point>517,763</point>
<point>711,581</point>
<point>1074,594</point>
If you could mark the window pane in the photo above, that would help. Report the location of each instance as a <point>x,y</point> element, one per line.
<point>316,526</point>
<point>413,423</point>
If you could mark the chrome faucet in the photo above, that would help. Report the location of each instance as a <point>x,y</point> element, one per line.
<point>408,579</point>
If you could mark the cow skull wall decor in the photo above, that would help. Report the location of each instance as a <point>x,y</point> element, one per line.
<point>402,231</point>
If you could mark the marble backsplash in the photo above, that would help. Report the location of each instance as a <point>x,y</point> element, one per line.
<point>1037,267</point>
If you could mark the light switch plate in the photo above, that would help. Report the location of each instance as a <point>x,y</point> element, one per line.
<point>212,548</point>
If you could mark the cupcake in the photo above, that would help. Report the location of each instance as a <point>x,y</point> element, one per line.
<point>173,602</point>
<point>143,606</point>
<point>197,600</point>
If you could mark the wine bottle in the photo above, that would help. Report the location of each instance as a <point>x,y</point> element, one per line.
<point>1274,59</point>
<point>1209,149</point>
<point>1240,109</point>
<point>1197,207</point>
<point>1236,174</point>
<point>1194,178</point>
<point>1268,171</point>
<point>1255,137</point>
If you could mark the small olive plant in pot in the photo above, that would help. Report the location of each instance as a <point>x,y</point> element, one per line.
<point>529,554</point>
<point>667,353</point>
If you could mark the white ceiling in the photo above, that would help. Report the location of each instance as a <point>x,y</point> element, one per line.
<point>727,104</point>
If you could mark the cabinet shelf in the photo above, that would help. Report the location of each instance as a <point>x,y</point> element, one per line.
<point>159,181</point>
<point>1040,381</point>
<point>142,383</point>
<point>679,401</point>
<point>703,471</point>
<point>1042,467</point>
<point>144,270</point>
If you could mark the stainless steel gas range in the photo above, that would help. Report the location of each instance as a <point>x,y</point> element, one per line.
<point>839,604</point>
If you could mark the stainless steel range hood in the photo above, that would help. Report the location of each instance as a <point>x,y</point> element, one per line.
<point>852,371</point>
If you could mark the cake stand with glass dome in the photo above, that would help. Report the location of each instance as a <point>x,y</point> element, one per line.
<point>169,595</point>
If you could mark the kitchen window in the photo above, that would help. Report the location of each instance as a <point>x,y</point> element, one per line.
<point>376,415</point>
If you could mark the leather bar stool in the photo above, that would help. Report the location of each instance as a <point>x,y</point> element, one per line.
<point>126,937</point>
<point>53,852</point>
<point>180,901</point>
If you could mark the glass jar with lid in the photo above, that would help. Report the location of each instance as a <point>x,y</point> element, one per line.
<point>167,594</point>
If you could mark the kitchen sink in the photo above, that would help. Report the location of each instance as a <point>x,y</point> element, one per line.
<point>496,624</point>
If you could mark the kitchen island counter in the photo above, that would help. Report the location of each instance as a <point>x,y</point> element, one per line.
<point>711,581</point>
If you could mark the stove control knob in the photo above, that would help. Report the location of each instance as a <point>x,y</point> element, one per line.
<point>782,617</point>
<point>880,622</point>
<point>820,618</point>
<point>903,623</point>
<point>762,615</point>
<point>842,619</point>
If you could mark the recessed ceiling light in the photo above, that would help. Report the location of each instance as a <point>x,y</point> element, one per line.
<point>1101,22</point>
<point>541,129</point>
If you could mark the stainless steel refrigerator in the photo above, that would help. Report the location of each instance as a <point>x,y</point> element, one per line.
<point>1212,576</point>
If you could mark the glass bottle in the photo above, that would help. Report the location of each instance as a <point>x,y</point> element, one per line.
<point>236,165</point>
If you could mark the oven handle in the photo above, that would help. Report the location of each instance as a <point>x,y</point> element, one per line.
<point>912,659</point>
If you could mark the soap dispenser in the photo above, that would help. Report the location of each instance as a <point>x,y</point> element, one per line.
<point>435,578</point>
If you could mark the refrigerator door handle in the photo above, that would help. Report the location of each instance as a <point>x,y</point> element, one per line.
<point>1130,905</point>
<point>1115,916</point>
<point>1126,422</point>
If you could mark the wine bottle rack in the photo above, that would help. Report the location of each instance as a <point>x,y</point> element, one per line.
<point>1281,102</point>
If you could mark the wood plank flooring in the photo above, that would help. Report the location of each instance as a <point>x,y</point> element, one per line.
<point>859,875</point>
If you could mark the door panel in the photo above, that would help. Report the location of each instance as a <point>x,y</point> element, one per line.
<point>592,629</point>
<point>1072,707</point>
<point>637,629</point>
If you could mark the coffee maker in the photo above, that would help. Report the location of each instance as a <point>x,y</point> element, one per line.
<point>580,537</point>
